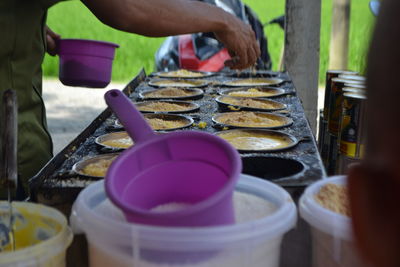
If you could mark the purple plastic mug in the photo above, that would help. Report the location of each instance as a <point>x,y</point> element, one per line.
<point>195,168</point>
<point>85,63</point>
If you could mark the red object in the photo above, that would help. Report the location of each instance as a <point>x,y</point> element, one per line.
<point>188,59</point>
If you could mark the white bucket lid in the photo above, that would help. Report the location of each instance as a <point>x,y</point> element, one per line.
<point>321,218</point>
<point>84,219</point>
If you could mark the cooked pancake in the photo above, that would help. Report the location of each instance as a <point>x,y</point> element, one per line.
<point>123,142</point>
<point>253,92</point>
<point>252,140</point>
<point>251,103</point>
<point>182,74</point>
<point>170,92</point>
<point>172,83</point>
<point>255,82</point>
<point>98,168</point>
<point>161,124</point>
<point>250,119</point>
<point>163,106</point>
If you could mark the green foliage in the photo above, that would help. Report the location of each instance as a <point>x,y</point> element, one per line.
<point>72,19</point>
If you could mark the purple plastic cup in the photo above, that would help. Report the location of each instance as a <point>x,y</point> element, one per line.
<point>85,63</point>
<point>191,167</point>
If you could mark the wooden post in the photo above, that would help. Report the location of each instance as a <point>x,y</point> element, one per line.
<point>339,44</point>
<point>301,59</point>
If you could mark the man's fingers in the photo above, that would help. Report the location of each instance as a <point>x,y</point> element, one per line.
<point>243,55</point>
<point>51,45</point>
<point>51,38</point>
<point>242,47</point>
<point>52,34</point>
<point>252,56</point>
<point>257,49</point>
<point>256,45</point>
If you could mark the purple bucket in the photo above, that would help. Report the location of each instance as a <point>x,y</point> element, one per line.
<point>203,174</point>
<point>85,63</point>
<point>197,169</point>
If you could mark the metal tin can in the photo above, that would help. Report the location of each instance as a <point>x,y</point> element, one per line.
<point>352,132</point>
<point>321,130</point>
<point>353,90</point>
<point>335,104</point>
<point>356,86</point>
<point>344,162</point>
<point>353,77</point>
<point>333,151</point>
<point>324,144</point>
<point>330,74</point>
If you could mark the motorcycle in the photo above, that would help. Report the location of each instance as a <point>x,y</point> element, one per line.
<point>203,52</point>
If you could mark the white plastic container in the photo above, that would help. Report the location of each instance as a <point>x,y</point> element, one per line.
<point>48,253</point>
<point>114,242</point>
<point>331,232</point>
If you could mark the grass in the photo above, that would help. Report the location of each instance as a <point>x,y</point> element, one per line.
<point>72,19</point>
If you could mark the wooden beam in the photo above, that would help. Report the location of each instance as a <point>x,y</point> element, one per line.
<point>339,43</point>
<point>301,59</point>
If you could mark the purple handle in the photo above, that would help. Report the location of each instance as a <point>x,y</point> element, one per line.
<point>132,120</point>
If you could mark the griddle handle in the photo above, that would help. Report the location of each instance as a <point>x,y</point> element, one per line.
<point>9,176</point>
<point>131,118</point>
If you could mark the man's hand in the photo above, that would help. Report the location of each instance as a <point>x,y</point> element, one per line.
<point>240,40</point>
<point>51,39</point>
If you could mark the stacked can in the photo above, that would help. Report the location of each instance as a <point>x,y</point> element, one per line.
<point>321,130</point>
<point>353,77</point>
<point>323,133</point>
<point>334,116</point>
<point>352,128</point>
<point>359,87</point>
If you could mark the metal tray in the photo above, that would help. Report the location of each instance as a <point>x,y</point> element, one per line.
<point>223,102</point>
<point>253,82</point>
<point>285,121</point>
<point>274,92</point>
<point>292,141</point>
<point>177,83</point>
<point>57,185</point>
<point>196,94</point>
<point>80,165</point>
<point>170,76</point>
<point>111,136</point>
<point>190,107</point>
<point>188,120</point>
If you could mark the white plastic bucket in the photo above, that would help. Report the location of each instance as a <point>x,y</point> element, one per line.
<point>114,242</point>
<point>331,231</point>
<point>47,253</point>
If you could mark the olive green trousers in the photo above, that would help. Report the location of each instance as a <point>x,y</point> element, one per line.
<point>22,49</point>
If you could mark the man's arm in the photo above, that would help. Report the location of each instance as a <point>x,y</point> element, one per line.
<point>158,18</point>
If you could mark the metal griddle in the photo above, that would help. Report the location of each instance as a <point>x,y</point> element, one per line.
<point>57,184</point>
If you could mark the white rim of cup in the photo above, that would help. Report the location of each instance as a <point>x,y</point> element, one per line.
<point>321,218</point>
<point>63,238</point>
<point>286,212</point>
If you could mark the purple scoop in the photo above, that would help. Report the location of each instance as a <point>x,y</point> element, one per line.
<point>194,170</point>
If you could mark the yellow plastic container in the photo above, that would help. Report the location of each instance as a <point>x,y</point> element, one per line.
<point>41,234</point>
